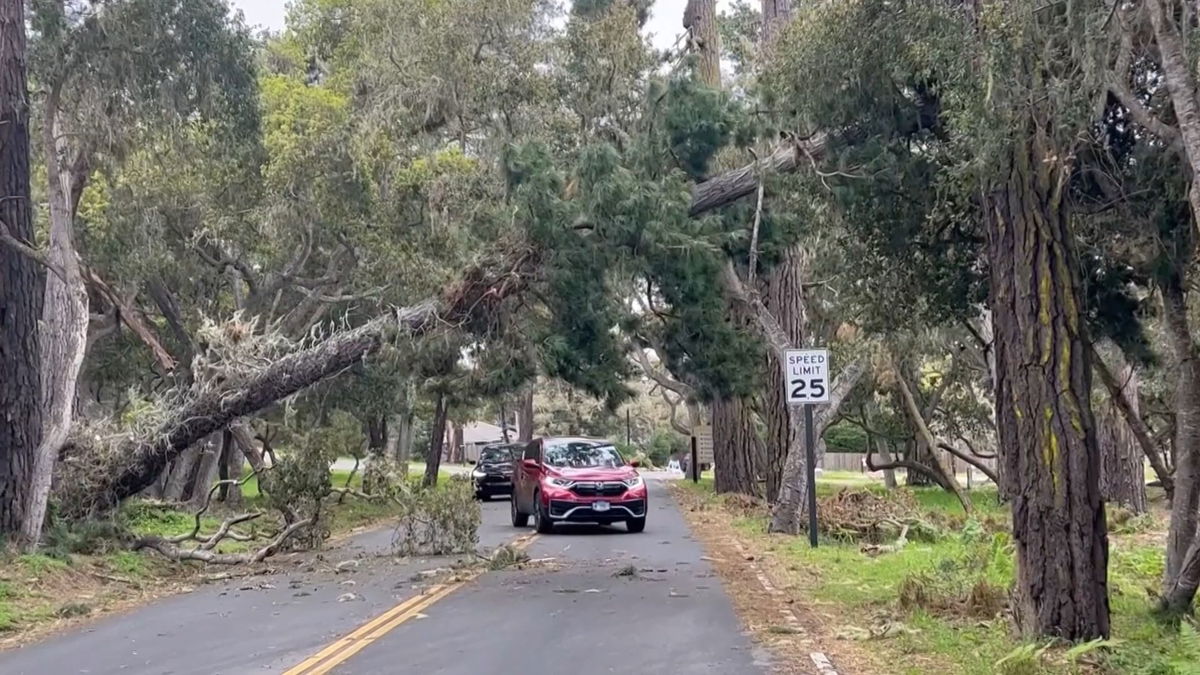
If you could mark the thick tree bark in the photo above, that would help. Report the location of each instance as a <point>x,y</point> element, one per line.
<point>785,300</point>
<point>700,20</point>
<point>20,282</point>
<point>735,448</point>
<point>1181,578</point>
<point>437,441</point>
<point>1047,434</point>
<point>525,416</point>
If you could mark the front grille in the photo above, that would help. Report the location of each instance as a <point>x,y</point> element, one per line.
<point>560,507</point>
<point>599,489</point>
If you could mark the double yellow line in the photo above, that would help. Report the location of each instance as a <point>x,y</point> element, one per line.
<point>359,639</point>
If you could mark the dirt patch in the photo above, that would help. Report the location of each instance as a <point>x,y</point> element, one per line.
<point>774,613</point>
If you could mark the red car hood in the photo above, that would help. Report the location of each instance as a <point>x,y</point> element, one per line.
<point>621,473</point>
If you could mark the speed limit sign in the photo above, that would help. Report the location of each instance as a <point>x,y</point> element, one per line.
<point>806,375</point>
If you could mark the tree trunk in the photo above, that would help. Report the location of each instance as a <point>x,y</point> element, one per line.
<point>735,447</point>
<point>787,516</point>
<point>1122,466</point>
<point>64,322</point>
<point>20,282</point>
<point>181,473</point>
<point>207,471</point>
<point>785,300</point>
<point>1182,540</point>
<point>700,20</point>
<point>525,417</point>
<point>400,440</point>
<point>1043,393</point>
<point>917,452</point>
<point>926,439</point>
<point>889,474</point>
<point>1182,87</point>
<point>437,441</point>
<point>378,436</point>
<point>457,450</point>
<point>775,15</point>
<point>1136,427</point>
<point>232,462</point>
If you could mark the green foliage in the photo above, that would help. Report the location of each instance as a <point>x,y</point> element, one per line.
<point>63,539</point>
<point>40,564</point>
<point>1025,659</point>
<point>845,437</point>
<point>437,521</point>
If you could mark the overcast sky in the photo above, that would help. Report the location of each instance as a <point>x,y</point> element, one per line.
<point>665,23</point>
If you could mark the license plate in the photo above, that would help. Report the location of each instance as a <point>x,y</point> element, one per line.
<point>599,506</point>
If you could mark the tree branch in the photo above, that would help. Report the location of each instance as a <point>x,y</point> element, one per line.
<point>35,254</point>
<point>132,319</point>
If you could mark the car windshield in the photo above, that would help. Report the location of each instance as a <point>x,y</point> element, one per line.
<point>495,455</point>
<point>584,456</point>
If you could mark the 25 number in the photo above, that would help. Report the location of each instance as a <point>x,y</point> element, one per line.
<point>816,386</point>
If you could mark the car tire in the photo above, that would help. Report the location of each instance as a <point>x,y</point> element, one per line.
<point>636,524</point>
<point>541,522</point>
<point>518,519</point>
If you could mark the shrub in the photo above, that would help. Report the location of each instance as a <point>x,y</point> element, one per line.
<point>845,437</point>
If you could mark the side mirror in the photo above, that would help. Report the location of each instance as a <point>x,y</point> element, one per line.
<point>470,461</point>
<point>634,463</point>
<point>529,463</point>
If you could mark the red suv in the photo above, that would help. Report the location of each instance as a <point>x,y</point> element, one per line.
<point>577,480</point>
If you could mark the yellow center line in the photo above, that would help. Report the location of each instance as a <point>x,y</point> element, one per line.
<point>358,639</point>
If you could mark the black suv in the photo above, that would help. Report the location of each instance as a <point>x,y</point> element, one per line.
<point>493,473</point>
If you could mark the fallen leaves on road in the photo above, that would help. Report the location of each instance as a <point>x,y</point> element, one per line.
<point>771,618</point>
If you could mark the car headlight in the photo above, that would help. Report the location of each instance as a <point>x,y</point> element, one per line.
<point>477,473</point>
<point>633,482</point>
<point>560,482</point>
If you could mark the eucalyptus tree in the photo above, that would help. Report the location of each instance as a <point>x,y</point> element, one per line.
<point>97,90</point>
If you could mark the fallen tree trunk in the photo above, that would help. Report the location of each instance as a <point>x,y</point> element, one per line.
<point>134,465</point>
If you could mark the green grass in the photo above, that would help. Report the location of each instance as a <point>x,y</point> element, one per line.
<point>127,563</point>
<point>39,564</point>
<point>857,589</point>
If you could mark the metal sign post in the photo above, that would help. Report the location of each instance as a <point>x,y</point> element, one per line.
<point>695,463</point>
<point>806,379</point>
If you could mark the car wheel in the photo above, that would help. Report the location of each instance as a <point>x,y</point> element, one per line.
<point>541,519</point>
<point>518,519</point>
<point>636,524</point>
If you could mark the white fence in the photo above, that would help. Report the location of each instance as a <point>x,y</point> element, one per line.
<point>856,462</point>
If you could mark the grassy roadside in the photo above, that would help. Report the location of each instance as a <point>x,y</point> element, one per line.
<point>938,603</point>
<point>86,571</point>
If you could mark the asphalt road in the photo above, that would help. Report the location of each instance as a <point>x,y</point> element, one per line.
<point>571,613</point>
